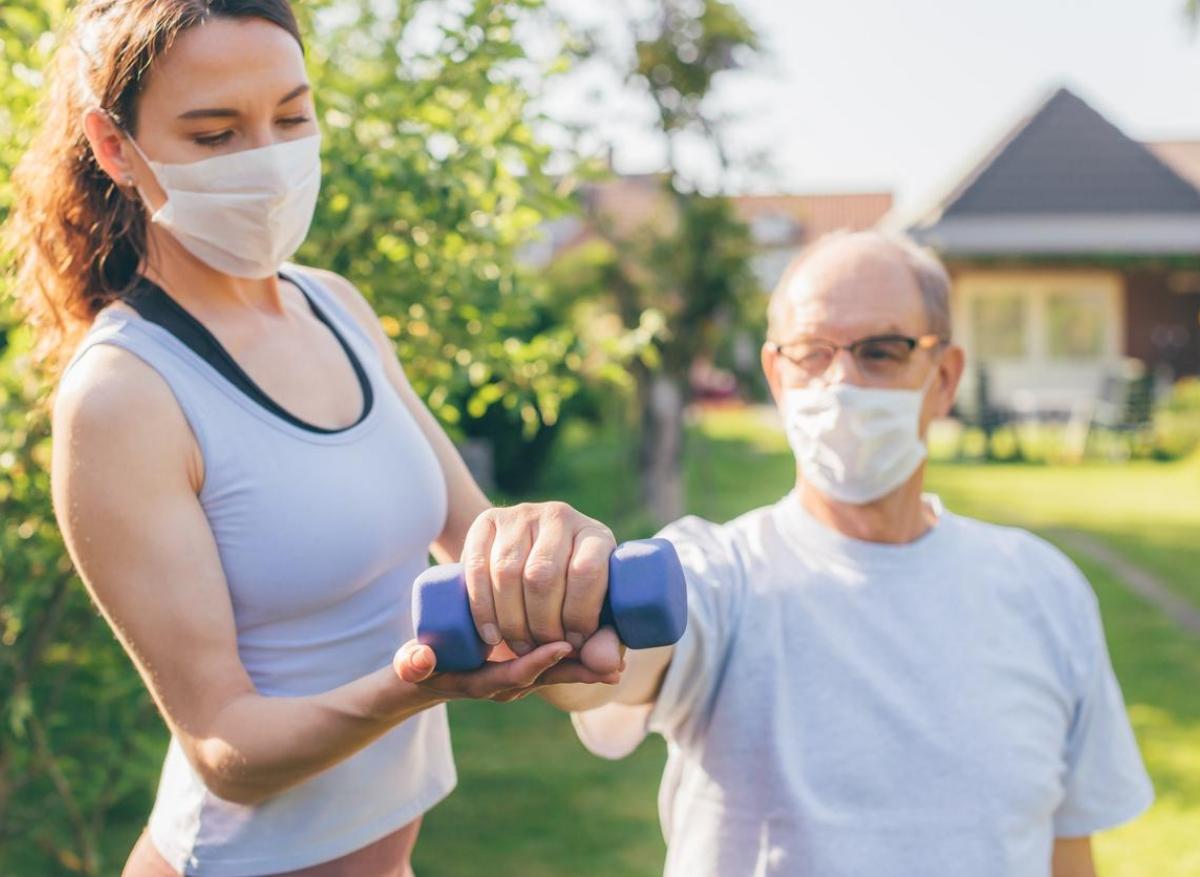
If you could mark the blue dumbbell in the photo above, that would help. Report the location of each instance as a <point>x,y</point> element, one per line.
<point>646,603</point>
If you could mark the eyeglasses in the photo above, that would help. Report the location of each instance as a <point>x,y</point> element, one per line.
<point>878,357</point>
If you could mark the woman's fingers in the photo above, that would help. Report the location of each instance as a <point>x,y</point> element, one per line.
<point>502,681</point>
<point>497,677</point>
<point>414,662</point>
<point>570,672</point>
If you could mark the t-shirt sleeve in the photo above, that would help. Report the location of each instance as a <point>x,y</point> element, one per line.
<point>714,582</point>
<point>1106,782</point>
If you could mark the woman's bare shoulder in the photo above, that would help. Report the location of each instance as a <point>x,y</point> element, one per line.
<point>115,405</point>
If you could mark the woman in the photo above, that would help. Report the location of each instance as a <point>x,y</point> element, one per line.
<point>245,480</point>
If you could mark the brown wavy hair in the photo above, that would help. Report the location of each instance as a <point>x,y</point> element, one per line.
<point>77,238</point>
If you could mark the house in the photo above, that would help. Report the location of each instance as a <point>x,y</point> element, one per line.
<point>1072,247</point>
<point>780,224</point>
<point>783,224</point>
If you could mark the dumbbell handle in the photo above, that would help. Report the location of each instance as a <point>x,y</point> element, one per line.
<point>646,602</point>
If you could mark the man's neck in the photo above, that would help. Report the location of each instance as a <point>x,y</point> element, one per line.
<point>899,517</point>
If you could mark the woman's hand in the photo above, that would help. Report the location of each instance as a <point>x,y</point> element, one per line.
<point>537,573</point>
<point>505,677</point>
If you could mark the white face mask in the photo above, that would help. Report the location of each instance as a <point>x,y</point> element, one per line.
<point>243,213</point>
<point>855,444</point>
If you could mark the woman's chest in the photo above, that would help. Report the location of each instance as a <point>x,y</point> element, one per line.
<point>301,524</point>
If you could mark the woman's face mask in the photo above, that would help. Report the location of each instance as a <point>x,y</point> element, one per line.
<point>855,444</point>
<point>243,213</point>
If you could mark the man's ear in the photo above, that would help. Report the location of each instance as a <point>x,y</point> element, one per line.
<point>770,367</point>
<point>950,372</point>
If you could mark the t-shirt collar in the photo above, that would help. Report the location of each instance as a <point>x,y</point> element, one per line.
<point>808,534</point>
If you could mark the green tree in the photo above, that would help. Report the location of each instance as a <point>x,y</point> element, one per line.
<point>677,280</point>
<point>433,181</point>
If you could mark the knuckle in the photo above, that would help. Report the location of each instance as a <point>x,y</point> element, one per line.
<point>547,633</point>
<point>578,619</point>
<point>589,567</point>
<point>476,565</point>
<point>541,575</point>
<point>507,569</point>
<point>555,510</point>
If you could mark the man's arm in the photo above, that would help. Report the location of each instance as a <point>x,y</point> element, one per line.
<point>640,681</point>
<point>1072,857</point>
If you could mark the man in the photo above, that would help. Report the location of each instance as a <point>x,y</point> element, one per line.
<point>869,683</point>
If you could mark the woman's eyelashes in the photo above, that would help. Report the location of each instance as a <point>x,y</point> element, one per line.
<point>220,138</point>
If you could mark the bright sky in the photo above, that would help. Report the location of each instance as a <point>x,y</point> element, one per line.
<point>870,94</point>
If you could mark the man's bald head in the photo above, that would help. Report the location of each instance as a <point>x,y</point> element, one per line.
<point>862,265</point>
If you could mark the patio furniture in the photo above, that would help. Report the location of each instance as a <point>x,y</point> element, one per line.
<point>988,417</point>
<point>1123,410</point>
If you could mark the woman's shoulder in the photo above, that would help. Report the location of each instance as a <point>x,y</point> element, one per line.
<point>348,296</point>
<point>111,395</point>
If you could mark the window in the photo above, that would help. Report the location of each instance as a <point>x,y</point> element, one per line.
<point>1076,323</point>
<point>998,322</point>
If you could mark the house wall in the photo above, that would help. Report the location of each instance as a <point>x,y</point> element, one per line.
<point>1163,325</point>
<point>1010,319</point>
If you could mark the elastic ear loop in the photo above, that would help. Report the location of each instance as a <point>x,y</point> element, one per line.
<point>129,180</point>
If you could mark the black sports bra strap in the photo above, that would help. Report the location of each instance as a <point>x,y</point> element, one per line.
<point>153,303</point>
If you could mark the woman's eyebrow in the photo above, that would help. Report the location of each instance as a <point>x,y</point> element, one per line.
<point>225,112</point>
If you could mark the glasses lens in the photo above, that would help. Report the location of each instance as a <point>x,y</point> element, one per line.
<point>882,357</point>
<point>811,358</point>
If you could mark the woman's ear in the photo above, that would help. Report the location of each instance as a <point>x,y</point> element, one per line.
<point>107,142</point>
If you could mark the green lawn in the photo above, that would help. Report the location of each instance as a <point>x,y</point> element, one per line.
<point>532,802</point>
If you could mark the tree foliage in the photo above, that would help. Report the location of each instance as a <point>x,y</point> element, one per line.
<point>433,182</point>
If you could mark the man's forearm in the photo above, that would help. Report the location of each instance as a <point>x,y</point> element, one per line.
<point>640,682</point>
<point>578,697</point>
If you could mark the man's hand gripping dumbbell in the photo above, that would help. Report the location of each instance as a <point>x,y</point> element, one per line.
<point>540,574</point>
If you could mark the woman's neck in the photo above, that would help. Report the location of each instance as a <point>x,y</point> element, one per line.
<point>201,289</point>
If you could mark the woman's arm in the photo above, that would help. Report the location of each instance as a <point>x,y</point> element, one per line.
<point>125,476</point>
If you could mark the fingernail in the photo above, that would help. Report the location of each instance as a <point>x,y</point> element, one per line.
<point>520,647</point>
<point>576,640</point>
<point>421,660</point>
<point>561,654</point>
<point>491,634</point>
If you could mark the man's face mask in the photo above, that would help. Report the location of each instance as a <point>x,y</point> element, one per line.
<point>855,444</point>
<point>243,213</point>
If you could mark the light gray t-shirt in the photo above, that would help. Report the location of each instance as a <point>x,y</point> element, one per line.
<point>841,707</point>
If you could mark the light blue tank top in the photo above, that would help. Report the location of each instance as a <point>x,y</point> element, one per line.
<point>320,536</point>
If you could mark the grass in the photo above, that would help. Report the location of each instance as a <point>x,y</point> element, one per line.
<point>532,802</point>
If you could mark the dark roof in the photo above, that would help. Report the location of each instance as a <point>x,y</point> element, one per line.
<point>1182,156</point>
<point>1068,159</point>
<point>1067,180</point>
